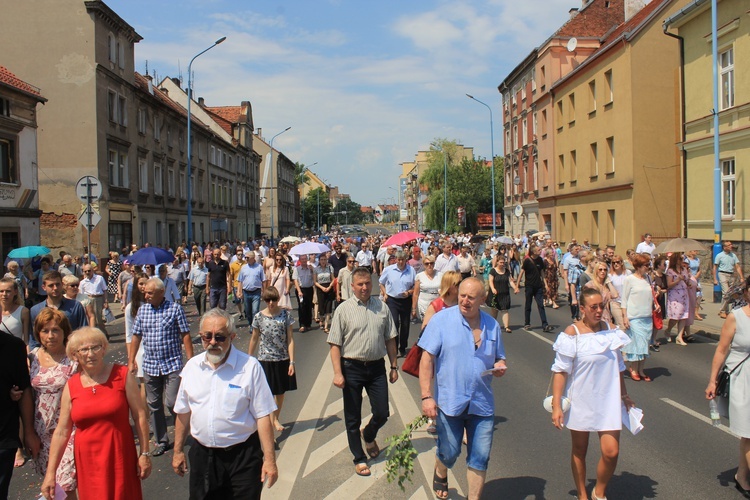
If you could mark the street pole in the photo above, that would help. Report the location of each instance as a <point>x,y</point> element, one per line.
<point>717,169</point>
<point>492,148</point>
<point>272,176</point>
<point>190,144</point>
<point>318,210</point>
<point>445,194</point>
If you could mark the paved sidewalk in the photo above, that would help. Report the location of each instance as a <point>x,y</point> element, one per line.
<point>711,325</point>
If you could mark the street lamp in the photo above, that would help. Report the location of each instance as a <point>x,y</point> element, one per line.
<point>272,176</point>
<point>445,190</point>
<point>190,144</point>
<point>304,171</point>
<point>492,146</point>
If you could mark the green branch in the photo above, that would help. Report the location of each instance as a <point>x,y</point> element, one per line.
<point>401,453</point>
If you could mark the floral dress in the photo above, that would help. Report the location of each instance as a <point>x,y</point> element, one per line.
<point>551,278</point>
<point>273,351</point>
<point>678,302</point>
<point>48,384</point>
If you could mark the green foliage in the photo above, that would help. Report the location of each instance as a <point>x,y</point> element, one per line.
<point>353,211</point>
<point>401,454</point>
<point>309,208</point>
<point>300,174</point>
<point>469,186</point>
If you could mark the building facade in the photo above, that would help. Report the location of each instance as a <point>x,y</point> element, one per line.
<point>279,201</point>
<point>19,188</point>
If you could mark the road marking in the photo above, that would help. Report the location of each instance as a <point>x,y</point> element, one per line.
<point>697,415</point>
<point>289,463</point>
<point>419,494</point>
<point>540,337</point>
<point>335,407</point>
<point>356,486</point>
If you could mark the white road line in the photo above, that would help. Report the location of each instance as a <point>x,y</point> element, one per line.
<point>408,410</point>
<point>419,495</point>
<point>540,337</point>
<point>335,407</point>
<point>329,450</point>
<point>697,415</point>
<point>356,486</point>
<point>289,460</point>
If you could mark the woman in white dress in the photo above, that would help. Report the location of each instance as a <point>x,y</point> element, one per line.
<point>426,288</point>
<point>588,370</point>
<point>279,278</point>
<point>732,349</point>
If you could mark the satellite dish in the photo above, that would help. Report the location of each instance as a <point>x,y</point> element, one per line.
<point>572,44</point>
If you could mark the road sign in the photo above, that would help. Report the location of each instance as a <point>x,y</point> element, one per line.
<point>88,189</point>
<point>95,218</point>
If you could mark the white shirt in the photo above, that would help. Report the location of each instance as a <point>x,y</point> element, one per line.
<point>93,286</point>
<point>224,403</point>
<point>444,264</point>
<point>364,258</point>
<point>644,247</point>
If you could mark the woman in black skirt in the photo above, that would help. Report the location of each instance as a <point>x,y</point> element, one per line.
<point>500,284</point>
<point>273,339</point>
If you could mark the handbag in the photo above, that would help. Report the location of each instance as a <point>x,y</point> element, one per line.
<point>412,360</point>
<point>565,401</point>
<point>722,379</point>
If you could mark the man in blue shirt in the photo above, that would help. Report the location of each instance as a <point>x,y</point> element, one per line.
<point>252,281</point>
<point>464,347</point>
<point>197,280</point>
<point>51,282</point>
<point>396,289</point>
<point>162,326</point>
<point>571,271</point>
<point>726,264</point>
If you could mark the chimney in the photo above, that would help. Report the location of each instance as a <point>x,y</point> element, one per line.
<point>632,7</point>
<point>201,102</point>
<point>166,92</point>
<point>259,133</point>
<point>150,84</point>
<point>176,81</point>
<point>573,12</point>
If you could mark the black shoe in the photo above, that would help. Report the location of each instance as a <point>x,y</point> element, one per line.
<point>654,347</point>
<point>160,450</point>
<point>548,328</point>
<point>745,493</point>
<point>402,353</point>
<point>527,327</point>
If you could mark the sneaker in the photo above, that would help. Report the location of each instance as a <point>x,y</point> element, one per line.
<point>654,347</point>
<point>548,328</point>
<point>160,450</point>
<point>527,327</point>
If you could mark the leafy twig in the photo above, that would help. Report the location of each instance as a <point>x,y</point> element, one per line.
<point>401,453</point>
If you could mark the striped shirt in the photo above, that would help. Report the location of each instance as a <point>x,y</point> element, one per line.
<point>361,329</point>
<point>161,329</point>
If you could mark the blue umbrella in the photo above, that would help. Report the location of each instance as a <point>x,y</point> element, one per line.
<point>28,252</point>
<point>150,256</point>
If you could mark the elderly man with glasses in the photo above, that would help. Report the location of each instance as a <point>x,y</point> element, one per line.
<point>225,403</point>
<point>95,287</point>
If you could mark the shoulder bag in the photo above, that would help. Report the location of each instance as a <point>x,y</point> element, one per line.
<point>722,379</point>
<point>565,401</point>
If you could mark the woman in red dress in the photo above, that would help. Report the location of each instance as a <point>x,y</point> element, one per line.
<point>98,401</point>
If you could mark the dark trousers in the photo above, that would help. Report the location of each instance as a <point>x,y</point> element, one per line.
<point>536,293</point>
<point>218,298</point>
<point>306,307</point>
<point>199,294</point>
<point>226,473</point>
<point>371,377</point>
<point>157,387</point>
<point>401,311</point>
<point>7,457</point>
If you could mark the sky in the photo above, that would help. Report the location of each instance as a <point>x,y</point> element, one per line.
<point>363,85</point>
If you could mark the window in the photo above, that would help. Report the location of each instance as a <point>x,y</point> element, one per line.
<point>170,182</point>
<point>121,55</point>
<point>561,171</point>
<point>213,191</point>
<point>544,122</point>
<point>4,107</point>
<point>593,160</point>
<point>181,140</point>
<point>112,47</point>
<point>562,225</point>
<point>523,91</point>
<point>169,136</point>
<point>515,136</point>
<point>609,88</point>
<point>212,155</point>
<point>183,184</point>
<point>158,189</point>
<point>219,156</point>
<point>159,230</point>
<point>542,77</point>
<point>559,117</point>
<point>611,234</point>
<point>141,121</point>
<point>592,96</point>
<point>545,173</point>
<point>192,187</point>
<point>112,106</point>
<point>122,111</point>
<point>573,167</point>
<point>574,223</point>
<point>144,232</point>
<point>533,130</point>
<point>142,175</point>
<point>610,167</point>
<point>533,79</point>
<point>507,141</point>
<point>535,175</point>
<point>595,236</point>
<point>157,128</point>
<point>7,160</point>
<point>118,172</point>
<point>727,188</point>
<point>726,66</point>
<point>525,130</point>
<point>571,109</point>
<point>200,183</point>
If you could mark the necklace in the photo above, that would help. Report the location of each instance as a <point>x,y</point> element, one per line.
<point>93,387</point>
<point>50,356</point>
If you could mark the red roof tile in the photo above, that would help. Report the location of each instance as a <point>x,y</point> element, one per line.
<point>141,82</point>
<point>220,118</point>
<point>12,80</point>
<point>594,20</point>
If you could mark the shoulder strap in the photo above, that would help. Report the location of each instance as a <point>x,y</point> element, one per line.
<point>739,364</point>
<point>576,329</point>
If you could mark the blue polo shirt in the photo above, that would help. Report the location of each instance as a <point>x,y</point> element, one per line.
<point>73,310</point>
<point>396,281</point>
<point>458,366</point>
<point>251,277</point>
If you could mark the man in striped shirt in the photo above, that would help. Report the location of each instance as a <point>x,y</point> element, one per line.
<point>361,335</point>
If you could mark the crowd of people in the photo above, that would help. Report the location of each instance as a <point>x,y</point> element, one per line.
<point>69,404</point>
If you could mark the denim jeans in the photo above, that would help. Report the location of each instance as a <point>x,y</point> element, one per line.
<point>479,432</point>
<point>252,304</point>
<point>535,293</point>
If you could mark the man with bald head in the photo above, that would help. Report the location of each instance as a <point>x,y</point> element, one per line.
<point>463,347</point>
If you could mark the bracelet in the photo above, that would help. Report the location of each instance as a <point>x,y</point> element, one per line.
<point>394,367</point>
<point>625,396</point>
<point>426,397</point>
<point>146,454</point>
<point>291,363</point>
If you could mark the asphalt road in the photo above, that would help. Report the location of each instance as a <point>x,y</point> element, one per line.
<point>677,456</point>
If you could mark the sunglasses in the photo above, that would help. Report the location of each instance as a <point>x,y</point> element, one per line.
<point>208,337</point>
<point>350,261</point>
<point>616,262</point>
<point>429,263</point>
<point>595,307</point>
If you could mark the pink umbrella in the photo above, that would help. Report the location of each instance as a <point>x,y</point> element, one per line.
<point>401,238</point>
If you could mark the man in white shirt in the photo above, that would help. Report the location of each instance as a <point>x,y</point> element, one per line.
<point>364,257</point>
<point>225,403</point>
<point>171,292</point>
<point>646,246</point>
<point>446,261</point>
<point>95,287</point>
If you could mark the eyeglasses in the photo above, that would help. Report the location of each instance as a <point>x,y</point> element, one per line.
<point>429,263</point>
<point>208,337</point>
<point>616,262</point>
<point>601,270</point>
<point>595,307</point>
<point>94,349</point>
<point>350,261</point>
<point>73,286</point>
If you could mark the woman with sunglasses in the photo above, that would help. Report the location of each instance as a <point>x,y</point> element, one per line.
<point>588,370</point>
<point>99,400</point>
<point>278,275</point>
<point>426,288</point>
<point>273,339</point>
<point>638,305</point>
<point>601,283</point>
<point>617,275</point>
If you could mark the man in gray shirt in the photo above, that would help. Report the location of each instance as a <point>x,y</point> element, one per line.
<point>361,334</point>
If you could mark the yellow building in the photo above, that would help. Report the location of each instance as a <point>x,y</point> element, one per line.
<point>694,27</point>
<point>616,128</point>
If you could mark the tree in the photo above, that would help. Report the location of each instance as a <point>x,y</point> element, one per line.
<point>309,206</point>
<point>353,211</point>
<point>469,186</point>
<point>300,174</point>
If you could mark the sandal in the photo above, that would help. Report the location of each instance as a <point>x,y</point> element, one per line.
<point>362,470</point>
<point>440,486</point>
<point>372,449</point>
<point>634,376</point>
<point>645,377</point>
<point>508,330</point>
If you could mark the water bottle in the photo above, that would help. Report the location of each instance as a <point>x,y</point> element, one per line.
<point>713,411</point>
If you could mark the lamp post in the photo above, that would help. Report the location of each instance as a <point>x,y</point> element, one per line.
<point>190,144</point>
<point>492,147</point>
<point>303,173</point>
<point>272,176</point>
